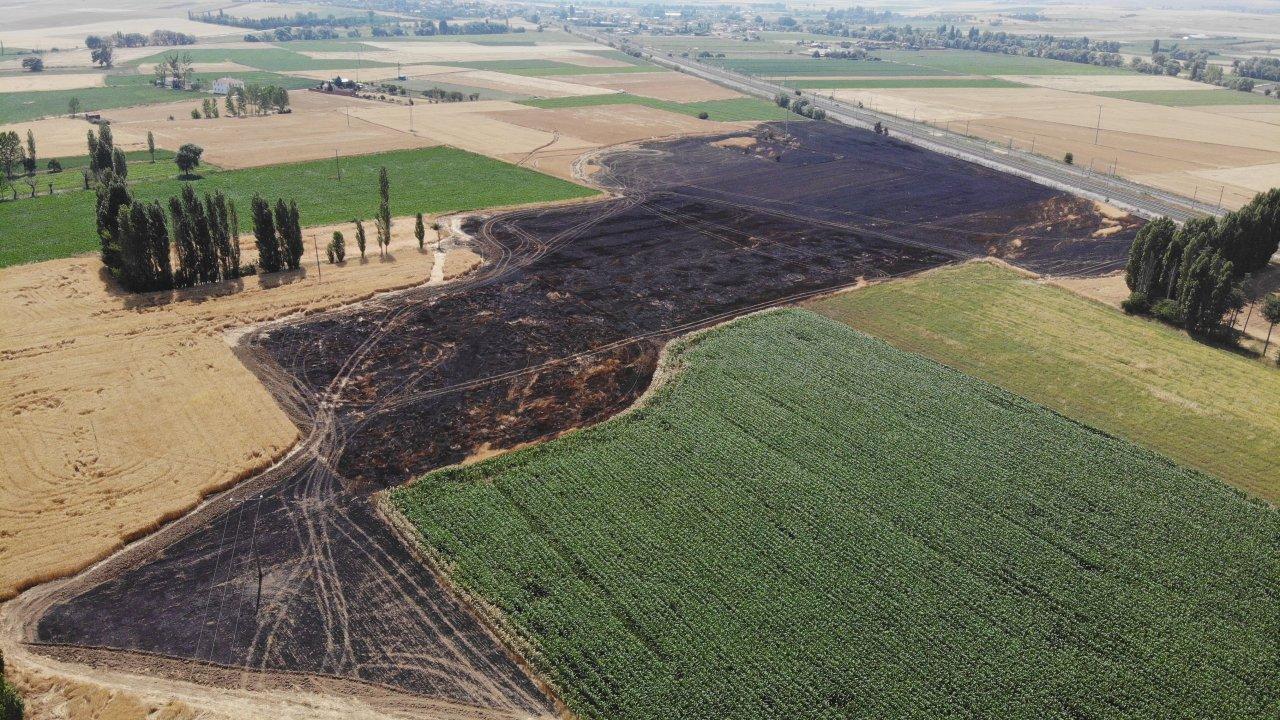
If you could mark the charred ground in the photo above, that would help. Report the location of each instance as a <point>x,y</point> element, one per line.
<point>561,328</point>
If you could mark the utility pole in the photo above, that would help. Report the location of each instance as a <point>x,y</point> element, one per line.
<point>348,109</point>
<point>315,246</point>
<point>1221,190</point>
<point>337,166</point>
<point>1098,129</point>
<point>410,116</point>
<point>1033,144</point>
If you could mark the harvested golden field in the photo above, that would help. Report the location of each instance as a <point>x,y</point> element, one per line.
<point>61,136</point>
<point>610,124</point>
<point>506,82</point>
<point>207,67</point>
<point>36,82</point>
<point>372,74</point>
<point>411,53</point>
<point>122,411</point>
<point>1184,149</point>
<point>1107,83</point>
<point>317,128</point>
<point>676,87</point>
<point>1257,113</point>
<point>474,126</point>
<point>69,30</point>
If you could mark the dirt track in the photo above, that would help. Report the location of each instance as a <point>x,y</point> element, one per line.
<point>560,329</point>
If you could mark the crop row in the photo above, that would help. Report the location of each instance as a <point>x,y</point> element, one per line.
<point>809,523</point>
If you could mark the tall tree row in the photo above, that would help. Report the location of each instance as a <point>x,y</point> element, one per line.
<point>1190,274</point>
<point>278,236</point>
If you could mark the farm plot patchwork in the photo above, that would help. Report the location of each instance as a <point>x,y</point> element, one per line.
<point>769,67</point>
<point>809,523</point>
<point>906,82</point>
<point>428,180</point>
<point>559,330</point>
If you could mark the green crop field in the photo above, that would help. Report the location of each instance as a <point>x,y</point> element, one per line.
<point>427,180</point>
<point>973,62</point>
<point>1141,380</point>
<point>123,91</point>
<point>906,82</point>
<point>723,110</point>
<point>1192,98</point>
<point>813,67</point>
<point>71,179</point>
<point>298,46</point>
<point>808,523</point>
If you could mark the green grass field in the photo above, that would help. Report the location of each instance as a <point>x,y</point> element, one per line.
<point>1204,407</point>
<point>723,110</point>
<point>428,180</point>
<point>811,67</point>
<point>906,82</point>
<point>71,179</point>
<point>808,523</point>
<point>973,62</point>
<point>122,91</point>
<point>1192,98</point>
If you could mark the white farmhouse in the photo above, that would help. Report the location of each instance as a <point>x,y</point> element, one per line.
<point>224,85</point>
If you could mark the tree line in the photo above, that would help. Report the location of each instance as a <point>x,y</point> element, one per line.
<point>1190,275</point>
<point>130,40</point>
<point>196,242</point>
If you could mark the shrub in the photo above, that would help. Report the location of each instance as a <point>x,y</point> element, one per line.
<point>1136,304</point>
<point>248,269</point>
<point>1069,158</point>
<point>1167,310</point>
<point>55,166</point>
<point>703,115</point>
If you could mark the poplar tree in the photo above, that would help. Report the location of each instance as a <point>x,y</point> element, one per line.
<point>360,238</point>
<point>113,194</point>
<point>119,163</point>
<point>264,234</point>
<point>419,231</point>
<point>384,210</point>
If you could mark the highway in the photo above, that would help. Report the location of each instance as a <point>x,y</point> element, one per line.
<point>1134,197</point>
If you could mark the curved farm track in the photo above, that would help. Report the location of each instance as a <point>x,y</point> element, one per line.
<point>294,571</point>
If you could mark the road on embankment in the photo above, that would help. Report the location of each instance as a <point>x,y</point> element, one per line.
<point>1134,197</point>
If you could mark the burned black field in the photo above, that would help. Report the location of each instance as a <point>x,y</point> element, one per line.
<point>295,570</point>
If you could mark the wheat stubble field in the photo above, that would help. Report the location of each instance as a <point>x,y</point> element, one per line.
<point>122,413</point>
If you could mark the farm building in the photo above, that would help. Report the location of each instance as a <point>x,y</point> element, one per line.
<point>222,86</point>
